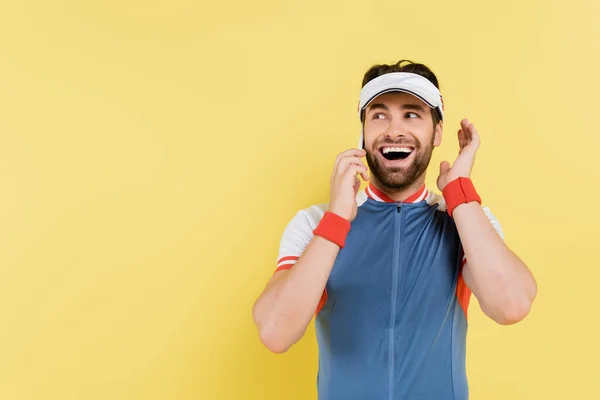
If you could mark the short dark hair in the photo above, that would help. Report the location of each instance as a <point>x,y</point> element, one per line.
<point>403,66</point>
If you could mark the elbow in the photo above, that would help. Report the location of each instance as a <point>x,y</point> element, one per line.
<point>512,313</point>
<point>515,307</point>
<point>271,337</point>
<point>274,341</point>
<point>519,309</point>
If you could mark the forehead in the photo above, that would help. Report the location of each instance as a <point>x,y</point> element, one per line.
<point>397,99</point>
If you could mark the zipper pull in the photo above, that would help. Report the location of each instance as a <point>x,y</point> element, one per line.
<point>398,206</point>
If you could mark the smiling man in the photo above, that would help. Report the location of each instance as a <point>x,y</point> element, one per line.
<point>390,270</point>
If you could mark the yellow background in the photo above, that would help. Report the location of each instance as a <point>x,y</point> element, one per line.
<point>151,154</point>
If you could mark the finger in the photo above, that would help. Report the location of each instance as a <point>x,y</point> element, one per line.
<point>469,135</point>
<point>461,139</point>
<point>365,175</point>
<point>473,138</point>
<point>354,153</point>
<point>348,174</point>
<point>352,172</point>
<point>464,124</point>
<point>468,131</point>
<point>345,162</point>
<point>356,185</point>
<point>474,134</point>
<point>349,153</point>
<point>466,137</point>
<point>444,166</point>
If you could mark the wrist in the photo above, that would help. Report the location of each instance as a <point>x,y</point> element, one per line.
<point>340,211</point>
<point>334,228</point>
<point>459,191</point>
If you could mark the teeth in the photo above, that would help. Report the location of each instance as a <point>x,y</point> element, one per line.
<point>396,150</point>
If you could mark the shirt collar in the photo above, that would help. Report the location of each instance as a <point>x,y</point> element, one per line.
<point>378,195</point>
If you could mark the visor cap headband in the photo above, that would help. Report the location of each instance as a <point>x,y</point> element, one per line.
<point>407,82</point>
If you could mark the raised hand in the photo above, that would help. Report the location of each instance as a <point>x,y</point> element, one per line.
<point>345,183</point>
<point>468,140</point>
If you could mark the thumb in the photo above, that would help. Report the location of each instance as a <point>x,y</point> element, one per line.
<point>444,166</point>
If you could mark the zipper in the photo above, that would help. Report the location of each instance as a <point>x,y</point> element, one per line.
<point>394,299</point>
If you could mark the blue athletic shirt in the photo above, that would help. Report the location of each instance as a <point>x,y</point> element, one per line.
<point>392,321</point>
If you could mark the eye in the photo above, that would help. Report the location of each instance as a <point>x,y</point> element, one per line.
<point>379,116</point>
<point>411,115</point>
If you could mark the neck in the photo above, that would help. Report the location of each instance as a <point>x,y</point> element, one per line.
<point>400,194</point>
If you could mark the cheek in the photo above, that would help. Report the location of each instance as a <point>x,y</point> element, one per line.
<point>426,137</point>
<point>373,130</point>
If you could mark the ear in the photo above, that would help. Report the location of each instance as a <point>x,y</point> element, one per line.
<point>437,139</point>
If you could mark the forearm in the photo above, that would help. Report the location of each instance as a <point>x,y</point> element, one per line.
<point>502,283</point>
<point>286,307</point>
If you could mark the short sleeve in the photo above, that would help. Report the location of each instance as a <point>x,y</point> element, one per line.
<point>494,221</point>
<point>297,235</point>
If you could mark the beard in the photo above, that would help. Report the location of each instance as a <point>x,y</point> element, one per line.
<point>400,178</point>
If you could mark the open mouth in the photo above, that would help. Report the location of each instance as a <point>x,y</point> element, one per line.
<point>396,153</point>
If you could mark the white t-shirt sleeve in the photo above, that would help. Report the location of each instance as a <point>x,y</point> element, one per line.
<point>297,235</point>
<point>494,221</point>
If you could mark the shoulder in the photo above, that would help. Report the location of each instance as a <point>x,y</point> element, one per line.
<point>434,198</point>
<point>311,216</point>
<point>297,235</point>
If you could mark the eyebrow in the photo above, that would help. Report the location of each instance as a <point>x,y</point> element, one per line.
<point>378,106</point>
<point>414,107</point>
<point>381,106</point>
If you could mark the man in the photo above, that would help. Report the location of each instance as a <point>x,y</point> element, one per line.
<point>390,270</point>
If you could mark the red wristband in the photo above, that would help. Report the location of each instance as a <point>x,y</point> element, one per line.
<point>333,228</point>
<point>458,192</point>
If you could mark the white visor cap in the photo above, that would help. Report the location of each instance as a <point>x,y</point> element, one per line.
<point>406,82</point>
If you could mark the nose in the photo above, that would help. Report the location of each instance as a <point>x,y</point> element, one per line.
<point>396,129</point>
